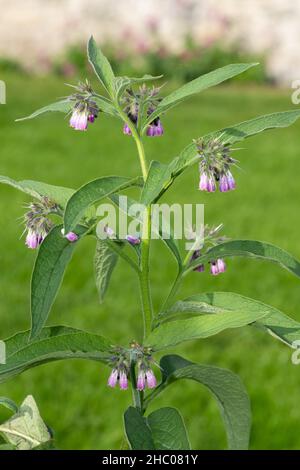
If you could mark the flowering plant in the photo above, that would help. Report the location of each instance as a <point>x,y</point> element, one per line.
<point>134,364</point>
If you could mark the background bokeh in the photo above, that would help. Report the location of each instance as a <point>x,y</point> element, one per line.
<point>41,47</point>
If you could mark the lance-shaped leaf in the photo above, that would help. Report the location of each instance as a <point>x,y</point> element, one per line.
<point>101,66</point>
<point>276,323</point>
<point>38,190</point>
<point>105,261</point>
<point>225,386</point>
<point>237,133</point>
<point>52,259</point>
<point>52,344</point>
<point>199,84</point>
<point>158,180</point>
<point>26,429</point>
<point>91,193</point>
<point>163,429</point>
<point>176,331</point>
<point>65,106</point>
<point>250,249</point>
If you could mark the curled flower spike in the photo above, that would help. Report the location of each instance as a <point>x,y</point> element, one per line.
<point>214,167</point>
<point>85,109</point>
<point>37,223</point>
<point>133,240</point>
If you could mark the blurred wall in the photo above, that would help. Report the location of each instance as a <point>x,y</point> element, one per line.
<point>34,31</point>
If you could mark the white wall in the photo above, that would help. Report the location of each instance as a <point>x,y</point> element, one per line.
<point>34,31</point>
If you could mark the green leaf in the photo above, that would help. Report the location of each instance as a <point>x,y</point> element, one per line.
<point>276,323</point>
<point>137,431</point>
<point>91,193</point>
<point>225,386</point>
<point>38,190</point>
<point>176,331</point>
<point>195,86</point>
<point>101,66</point>
<point>62,106</point>
<point>168,430</point>
<point>52,344</point>
<point>250,249</point>
<point>8,403</point>
<point>163,429</point>
<point>237,133</point>
<point>105,261</point>
<point>52,259</point>
<point>158,180</point>
<point>246,129</point>
<point>26,429</point>
<point>66,106</point>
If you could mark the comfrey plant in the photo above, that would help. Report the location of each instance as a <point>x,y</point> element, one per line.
<point>134,364</point>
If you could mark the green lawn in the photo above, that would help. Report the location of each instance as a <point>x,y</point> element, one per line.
<point>72,395</point>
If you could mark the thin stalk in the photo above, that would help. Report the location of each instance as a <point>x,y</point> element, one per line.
<point>137,396</point>
<point>144,274</point>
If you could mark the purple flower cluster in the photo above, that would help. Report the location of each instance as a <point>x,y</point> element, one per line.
<point>85,109</point>
<point>37,223</point>
<point>214,167</point>
<point>155,129</point>
<point>146,378</point>
<point>216,267</point>
<point>118,375</point>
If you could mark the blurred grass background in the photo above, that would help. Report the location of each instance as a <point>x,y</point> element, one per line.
<point>72,395</point>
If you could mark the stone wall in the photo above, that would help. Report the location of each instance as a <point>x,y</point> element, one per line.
<point>35,31</point>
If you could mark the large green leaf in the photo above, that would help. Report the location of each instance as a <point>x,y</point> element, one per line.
<point>250,249</point>
<point>91,193</point>
<point>26,429</point>
<point>276,323</point>
<point>101,66</point>
<point>163,429</point>
<point>168,430</point>
<point>105,261</point>
<point>226,387</point>
<point>62,106</point>
<point>176,331</point>
<point>237,133</point>
<point>52,259</point>
<point>38,190</point>
<point>52,344</point>
<point>199,84</point>
<point>66,105</point>
<point>137,431</point>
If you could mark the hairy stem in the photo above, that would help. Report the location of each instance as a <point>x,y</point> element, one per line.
<point>137,397</point>
<point>144,274</point>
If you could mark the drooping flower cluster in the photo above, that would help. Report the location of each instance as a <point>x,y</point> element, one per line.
<point>138,358</point>
<point>145,101</point>
<point>214,166</point>
<point>85,109</point>
<point>37,223</point>
<point>211,239</point>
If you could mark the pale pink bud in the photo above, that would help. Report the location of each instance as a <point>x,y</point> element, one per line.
<point>151,380</point>
<point>113,378</point>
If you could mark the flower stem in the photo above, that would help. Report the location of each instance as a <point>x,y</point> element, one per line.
<point>137,396</point>
<point>144,274</point>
